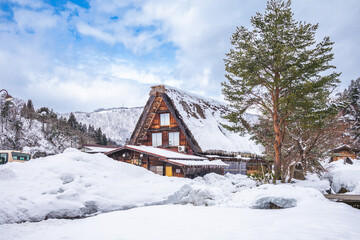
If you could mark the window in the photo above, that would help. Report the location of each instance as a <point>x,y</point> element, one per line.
<point>3,158</point>
<point>157,169</point>
<point>174,138</point>
<point>156,139</point>
<point>164,119</point>
<point>20,156</point>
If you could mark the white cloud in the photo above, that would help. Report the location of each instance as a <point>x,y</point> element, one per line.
<point>200,29</point>
<point>51,60</point>
<point>121,71</point>
<point>67,88</point>
<point>87,30</point>
<point>35,20</point>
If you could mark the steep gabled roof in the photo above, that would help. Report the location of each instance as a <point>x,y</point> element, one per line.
<point>200,119</point>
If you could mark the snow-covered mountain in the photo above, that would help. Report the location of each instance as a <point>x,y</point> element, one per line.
<point>116,123</point>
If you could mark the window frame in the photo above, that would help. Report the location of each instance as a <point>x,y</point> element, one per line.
<point>164,121</point>
<point>156,139</point>
<point>171,139</point>
<point>17,156</point>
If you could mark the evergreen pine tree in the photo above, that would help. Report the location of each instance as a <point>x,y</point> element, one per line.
<point>104,140</point>
<point>72,121</point>
<point>276,68</point>
<point>24,112</point>
<point>351,111</point>
<point>30,109</point>
<point>98,136</point>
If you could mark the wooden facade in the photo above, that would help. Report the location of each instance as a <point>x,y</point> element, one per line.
<point>162,165</point>
<point>152,163</point>
<point>344,152</point>
<point>165,130</point>
<point>150,122</point>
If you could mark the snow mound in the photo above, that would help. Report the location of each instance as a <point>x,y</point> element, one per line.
<point>212,189</point>
<point>344,176</point>
<point>282,195</point>
<point>76,184</point>
<point>314,181</point>
<point>274,202</point>
<point>241,192</point>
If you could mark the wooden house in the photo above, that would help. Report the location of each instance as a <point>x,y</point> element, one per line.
<point>179,121</point>
<point>167,162</point>
<point>344,152</point>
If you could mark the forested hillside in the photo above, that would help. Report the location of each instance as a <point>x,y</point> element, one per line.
<point>41,130</point>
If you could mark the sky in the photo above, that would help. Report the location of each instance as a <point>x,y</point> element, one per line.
<point>78,55</point>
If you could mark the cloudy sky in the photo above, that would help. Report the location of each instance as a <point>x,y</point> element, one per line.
<point>83,55</point>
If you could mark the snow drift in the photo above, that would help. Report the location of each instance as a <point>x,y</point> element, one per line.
<point>346,176</point>
<point>76,184</point>
<point>241,192</point>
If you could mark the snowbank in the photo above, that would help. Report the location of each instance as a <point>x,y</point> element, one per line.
<point>345,176</point>
<point>212,189</point>
<point>241,192</point>
<point>330,221</point>
<point>76,184</point>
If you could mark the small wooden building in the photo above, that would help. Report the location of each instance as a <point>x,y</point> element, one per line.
<point>344,152</point>
<point>167,162</point>
<point>176,120</point>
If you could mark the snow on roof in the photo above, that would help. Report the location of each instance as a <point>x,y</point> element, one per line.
<point>164,153</point>
<point>343,147</point>
<point>199,163</point>
<point>203,117</point>
<point>96,149</point>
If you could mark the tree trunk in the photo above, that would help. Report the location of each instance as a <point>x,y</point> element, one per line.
<point>291,172</point>
<point>277,148</point>
<point>278,133</point>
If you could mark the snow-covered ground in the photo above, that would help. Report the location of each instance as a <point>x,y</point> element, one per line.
<point>311,220</point>
<point>317,221</point>
<point>133,203</point>
<point>75,184</point>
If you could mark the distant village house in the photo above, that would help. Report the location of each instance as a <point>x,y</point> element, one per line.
<point>344,152</point>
